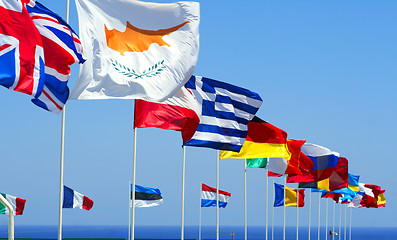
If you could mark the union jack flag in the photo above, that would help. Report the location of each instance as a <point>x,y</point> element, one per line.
<point>62,48</point>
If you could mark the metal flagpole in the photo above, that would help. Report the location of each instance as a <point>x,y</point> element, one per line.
<point>319,218</point>
<point>133,187</point>
<point>350,227</point>
<point>267,202</point>
<point>11,214</point>
<point>310,210</point>
<point>297,212</point>
<point>333,222</point>
<point>62,153</point>
<point>245,200</point>
<point>285,183</point>
<point>200,213</point>
<point>129,210</point>
<point>274,199</point>
<point>340,220</point>
<point>345,223</point>
<point>183,195</point>
<point>217,194</point>
<point>326,218</point>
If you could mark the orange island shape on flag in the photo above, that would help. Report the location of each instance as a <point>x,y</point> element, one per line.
<point>134,39</point>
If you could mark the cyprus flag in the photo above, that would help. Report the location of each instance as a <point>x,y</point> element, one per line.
<point>136,50</point>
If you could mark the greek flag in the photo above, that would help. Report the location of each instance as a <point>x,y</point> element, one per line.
<point>225,113</point>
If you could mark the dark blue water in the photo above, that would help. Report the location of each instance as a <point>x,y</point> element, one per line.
<point>191,232</point>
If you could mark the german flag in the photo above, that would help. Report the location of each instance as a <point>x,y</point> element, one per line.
<point>263,141</point>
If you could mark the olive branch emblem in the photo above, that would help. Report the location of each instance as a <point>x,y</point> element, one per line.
<point>154,70</point>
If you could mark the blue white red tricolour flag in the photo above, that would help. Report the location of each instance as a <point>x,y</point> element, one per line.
<point>225,112</point>
<point>322,157</point>
<point>208,197</point>
<point>73,199</point>
<point>21,50</point>
<point>62,48</point>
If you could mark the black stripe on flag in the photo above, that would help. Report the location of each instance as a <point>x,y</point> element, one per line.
<point>146,196</point>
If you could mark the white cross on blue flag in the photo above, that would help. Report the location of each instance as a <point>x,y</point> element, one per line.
<point>225,112</point>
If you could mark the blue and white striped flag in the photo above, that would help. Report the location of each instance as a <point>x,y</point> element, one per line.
<point>62,48</point>
<point>225,113</point>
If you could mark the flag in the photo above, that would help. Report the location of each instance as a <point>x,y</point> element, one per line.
<point>73,199</point>
<point>263,141</point>
<point>274,165</point>
<point>338,178</point>
<point>333,196</point>
<point>272,174</point>
<point>291,198</point>
<point>208,197</point>
<point>62,48</point>
<point>147,197</point>
<point>21,50</point>
<point>225,113</point>
<point>178,113</point>
<point>17,204</point>
<point>136,50</point>
<point>353,182</point>
<point>373,196</point>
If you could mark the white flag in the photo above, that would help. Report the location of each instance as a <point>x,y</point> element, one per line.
<point>136,50</point>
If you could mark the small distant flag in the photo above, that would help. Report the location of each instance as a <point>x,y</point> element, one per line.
<point>373,196</point>
<point>147,197</point>
<point>208,197</point>
<point>18,204</point>
<point>353,182</point>
<point>225,112</point>
<point>291,198</point>
<point>73,199</point>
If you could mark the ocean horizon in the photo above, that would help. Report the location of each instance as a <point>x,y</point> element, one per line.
<point>191,232</point>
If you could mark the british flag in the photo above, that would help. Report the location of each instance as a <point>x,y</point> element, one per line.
<point>62,48</point>
<point>21,50</point>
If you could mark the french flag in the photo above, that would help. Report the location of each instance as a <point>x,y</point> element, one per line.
<point>208,197</point>
<point>73,199</point>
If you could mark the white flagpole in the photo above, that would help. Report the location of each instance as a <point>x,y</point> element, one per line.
<point>129,210</point>
<point>350,227</point>
<point>340,220</point>
<point>267,202</point>
<point>333,222</point>
<point>345,223</point>
<point>297,212</point>
<point>326,218</point>
<point>183,195</point>
<point>319,218</point>
<point>310,209</point>
<point>285,183</point>
<point>10,217</point>
<point>201,184</point>
<point>274,199</point>
<point>62,153</point>
<point>217,194</point>
<point>133,187</point>
<point>245,200</point>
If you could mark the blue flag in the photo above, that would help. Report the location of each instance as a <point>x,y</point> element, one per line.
<point>147,196</point>
<point>225,112</point>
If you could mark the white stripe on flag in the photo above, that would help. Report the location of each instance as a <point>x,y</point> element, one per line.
<point>77,200</point>
<point>212,196</point>
<point>147,203</point>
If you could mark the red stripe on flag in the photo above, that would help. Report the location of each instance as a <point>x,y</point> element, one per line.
<point>87,203</point>
<point>50,98</point>
<point>20,205</point>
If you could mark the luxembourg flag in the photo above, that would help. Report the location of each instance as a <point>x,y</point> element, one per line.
<point>73,199</point>
<point>208,197</point>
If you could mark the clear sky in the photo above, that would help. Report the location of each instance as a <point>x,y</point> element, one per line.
<point>326,71</point>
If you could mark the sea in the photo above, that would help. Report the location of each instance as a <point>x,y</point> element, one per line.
<point>192,232</point>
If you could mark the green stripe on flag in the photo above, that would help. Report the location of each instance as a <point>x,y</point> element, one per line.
<point>2,206</point>
<point>256,162</point>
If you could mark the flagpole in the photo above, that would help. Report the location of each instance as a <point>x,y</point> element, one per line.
<point>129,210</point>
<point>133,186</point>
<point>285,183</point>
<point>319,218</point>
<point>274,199</point>
<point>62,152</point>
<point>245,200</point>
<point>333,222</point>
<point>217,194</point>
<point>11,214</point>
<point>267,202</point>
<point>297,213</point>
<point>326,218</point>
<point>340,220</point>
<point>183,194</point>
<point>201,184</point>
<point>350,227</point>
<point>310,210</point>
<point>345,223</point>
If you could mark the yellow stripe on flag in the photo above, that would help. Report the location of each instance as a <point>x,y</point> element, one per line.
<point>323,184</point>
<point>259,150</point>
<point>290,197</point>
<point>381,200</point>
<point>354,188</point>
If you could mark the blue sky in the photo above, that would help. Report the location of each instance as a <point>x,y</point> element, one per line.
<point>326,71</point>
